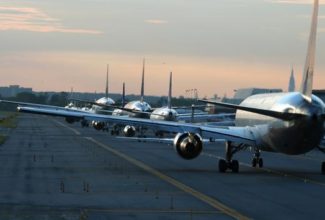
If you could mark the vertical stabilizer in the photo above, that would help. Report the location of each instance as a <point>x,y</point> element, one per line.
<point>123,95</point>
<point>307,80</point>
<point>169,100</point>
<point>142,82</point>
<point>292,83</point>
<point>106,90</point>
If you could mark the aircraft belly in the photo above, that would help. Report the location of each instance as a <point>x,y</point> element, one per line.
<point>291,139</point>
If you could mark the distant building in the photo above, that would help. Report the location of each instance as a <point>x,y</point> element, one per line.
<point>13,90</point>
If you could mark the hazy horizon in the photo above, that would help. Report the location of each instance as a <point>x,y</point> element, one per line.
<point>213,46</point>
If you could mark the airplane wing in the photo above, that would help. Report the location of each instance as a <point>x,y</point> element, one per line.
<point>199,117</point>
<point>235,134</point>
<point>159,140</point>
<point>39,105</point>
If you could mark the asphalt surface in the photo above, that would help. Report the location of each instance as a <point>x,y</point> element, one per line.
<point>54,170</point>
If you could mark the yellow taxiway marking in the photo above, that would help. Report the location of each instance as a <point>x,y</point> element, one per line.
<point>154,211</point>
<point>207,199</point>
<point>67,127</point>
<point>303,179</point>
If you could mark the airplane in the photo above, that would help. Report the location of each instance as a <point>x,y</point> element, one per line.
<point>290,123</point>
<point>105,101</point>
<point>97,107</point>
<point>166,113</point>
<point>136,109</point>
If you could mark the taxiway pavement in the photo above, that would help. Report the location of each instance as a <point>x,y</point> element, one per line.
<point>54,170</point>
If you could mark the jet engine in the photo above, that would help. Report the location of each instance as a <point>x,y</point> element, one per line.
<point>98,125</point>
<point>129,131</point>
<point>188,145</point>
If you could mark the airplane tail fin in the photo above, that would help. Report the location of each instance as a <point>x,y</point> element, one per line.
<point>307,80</point>
<point>106,90</point>
<point>292,84</point>
<point>169,101</point>
<point>142,82</point>
<point>123,95</point>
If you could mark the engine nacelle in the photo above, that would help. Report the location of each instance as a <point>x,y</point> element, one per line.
<point>98,125</point>
<point>129,131</point>
<point>188,145</point>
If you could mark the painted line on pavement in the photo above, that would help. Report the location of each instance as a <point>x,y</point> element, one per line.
<point>204,198</point>
<point>67,127</point>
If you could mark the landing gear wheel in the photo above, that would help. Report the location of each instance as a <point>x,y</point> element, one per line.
<point>222,166</point>
<point>234,166</point>
<point>323,167</point>
<point>260,163</point>
<point>254,162</point>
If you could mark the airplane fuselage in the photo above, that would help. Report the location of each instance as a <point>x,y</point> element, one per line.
<point>136,106</point>
<point>165,114</point>
<point>296,136</point>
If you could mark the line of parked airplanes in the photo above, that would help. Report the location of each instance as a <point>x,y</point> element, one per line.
<point>291,123</point>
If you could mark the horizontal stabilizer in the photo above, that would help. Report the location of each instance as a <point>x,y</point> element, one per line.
<point>287,116</point>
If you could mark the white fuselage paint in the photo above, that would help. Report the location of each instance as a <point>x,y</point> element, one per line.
<point>136,106</point>
<point>164,114</point>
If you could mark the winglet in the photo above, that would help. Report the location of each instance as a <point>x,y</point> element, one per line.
<point>169,100</point>
<point>307,81</point>
<point>106,90</point>
<point>142,82</point>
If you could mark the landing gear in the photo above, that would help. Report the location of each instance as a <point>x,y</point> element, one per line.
<point>321,149</point>
<point>233,165</point>
<point>257,160</point>
<point>115,130</point>
<point>142,131</point>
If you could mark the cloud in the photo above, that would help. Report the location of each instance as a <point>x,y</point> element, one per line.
<point>156,21</point>
<point>322,2</point>
<point>33,19</point>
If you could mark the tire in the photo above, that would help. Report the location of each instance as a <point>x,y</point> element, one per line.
<point>222,166</point>
<point>235,166</point>
<point>323,167</point>
<point>260,163</point>
<point>254,162</point>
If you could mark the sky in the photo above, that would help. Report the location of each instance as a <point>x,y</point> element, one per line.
<point>214,46</point>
